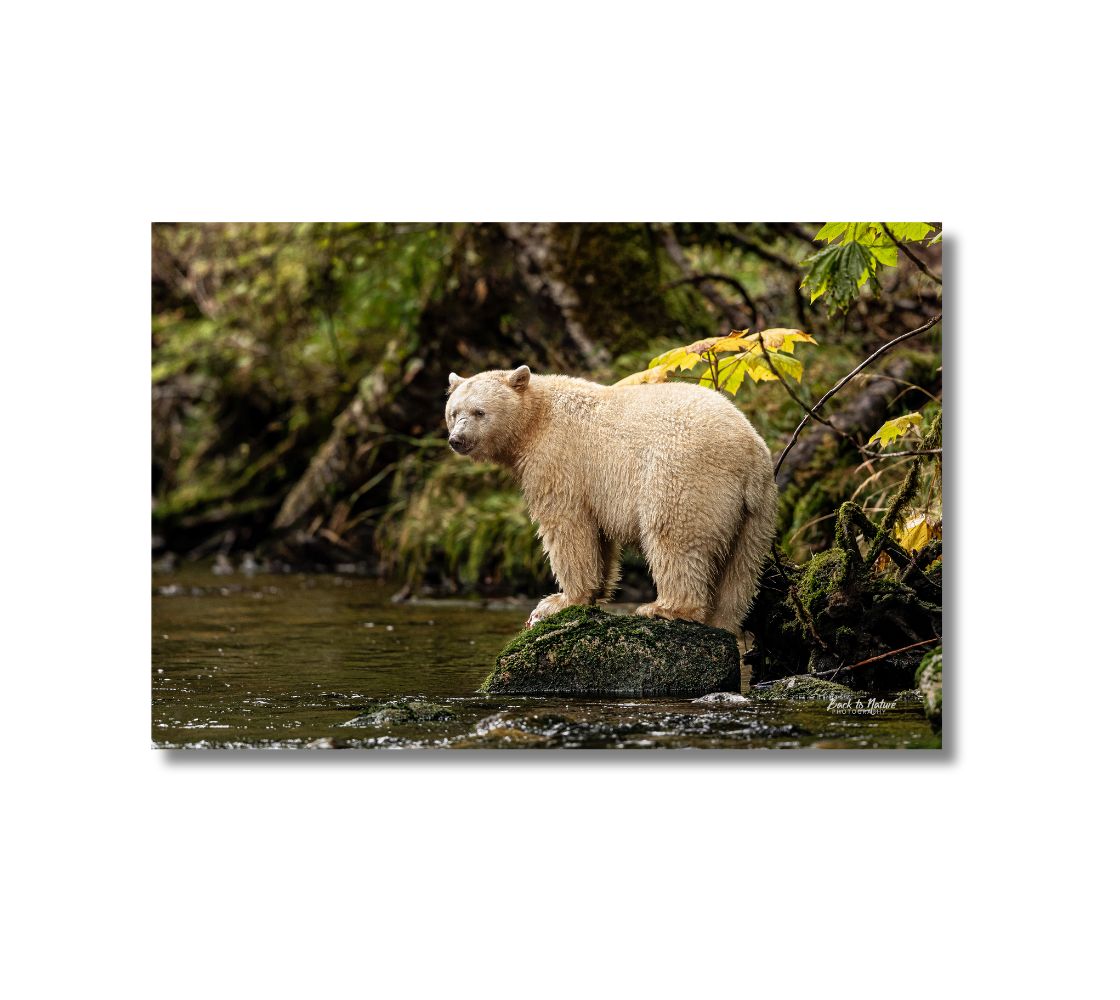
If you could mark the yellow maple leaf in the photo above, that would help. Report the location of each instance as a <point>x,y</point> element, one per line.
<point>659,373</point>
<point>782,339</point>
<point>678,357</point>
<point>719,345</point>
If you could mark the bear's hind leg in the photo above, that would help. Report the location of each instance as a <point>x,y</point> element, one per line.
<point>738,582</point>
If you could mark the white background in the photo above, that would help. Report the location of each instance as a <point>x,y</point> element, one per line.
<point>136,873</point>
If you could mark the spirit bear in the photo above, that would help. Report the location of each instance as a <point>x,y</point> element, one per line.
<point>671,467</point>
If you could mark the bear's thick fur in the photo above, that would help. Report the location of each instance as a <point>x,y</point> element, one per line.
<point>673,468</point>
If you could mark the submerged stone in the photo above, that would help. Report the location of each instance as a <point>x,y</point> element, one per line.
<point>803,688</point>
<point>398,711</point>
<point>586,651</point>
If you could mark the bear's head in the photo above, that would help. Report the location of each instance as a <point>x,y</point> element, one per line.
<point>484,413</point>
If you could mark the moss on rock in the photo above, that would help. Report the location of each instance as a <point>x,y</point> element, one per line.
<point>586,651</point>
<point>824,575</point>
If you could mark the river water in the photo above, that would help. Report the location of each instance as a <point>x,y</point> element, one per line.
<point>299,661</point>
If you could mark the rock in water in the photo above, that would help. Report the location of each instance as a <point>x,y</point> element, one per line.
<point>586,651</point>
<point>803,688</point>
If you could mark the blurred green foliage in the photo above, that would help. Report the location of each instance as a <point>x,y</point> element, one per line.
<point>262,333</point>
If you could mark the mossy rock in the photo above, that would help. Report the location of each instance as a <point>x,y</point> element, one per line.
<point>402,711</point>
<point>803,688</point>
<point>928,680</point>
<point>585,651</point>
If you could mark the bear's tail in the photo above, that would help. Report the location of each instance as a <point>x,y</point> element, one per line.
<point>738,582</point>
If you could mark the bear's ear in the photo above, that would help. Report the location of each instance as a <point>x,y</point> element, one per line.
<point>518,378</point>
<point>453,380</point>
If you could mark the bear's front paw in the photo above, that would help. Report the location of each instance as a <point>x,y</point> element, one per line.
<point>549,606</point>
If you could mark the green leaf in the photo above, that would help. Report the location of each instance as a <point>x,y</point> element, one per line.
<point>831,230</point>
<point>910,232</point>
<point>839,271</point>
<point>756,366</point>
<point>884,253</point>
<point>895,428</point>
<point>853,256</point>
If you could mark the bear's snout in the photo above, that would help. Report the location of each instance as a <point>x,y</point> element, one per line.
<point>458,445</point>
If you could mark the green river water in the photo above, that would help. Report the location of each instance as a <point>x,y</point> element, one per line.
<point>287,661</point>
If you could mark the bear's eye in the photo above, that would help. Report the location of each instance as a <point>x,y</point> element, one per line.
<point>479,413</point>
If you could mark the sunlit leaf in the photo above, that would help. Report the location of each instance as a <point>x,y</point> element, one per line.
<point>831,230</point>
<point>885,252</point>
<point>910,232</point>
<point>779,339</point>
<point>787,365</point>
<point>758,369</point>
<point>854,253</point>
<point>718,345</point>
<point>895,428</point>
<point>917,532</point>
<point>732,371</point>
<point>679,358</point>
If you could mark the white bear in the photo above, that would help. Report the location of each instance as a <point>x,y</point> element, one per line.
<point>673,468</point>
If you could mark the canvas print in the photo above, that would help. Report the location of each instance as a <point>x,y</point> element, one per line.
<point>540,486</point>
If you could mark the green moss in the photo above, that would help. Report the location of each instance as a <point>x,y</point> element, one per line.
<point>928,680</point>
<point>932,437</point>
<point>585,651</point>
<point>824,573</point>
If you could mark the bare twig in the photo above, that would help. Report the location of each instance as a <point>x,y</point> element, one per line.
<point>847,378</point>
<point>907,386</point>
<point>884,656</point>
<point>907,454</point>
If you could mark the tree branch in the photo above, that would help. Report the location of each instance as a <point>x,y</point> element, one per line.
<point>883,656</point>
<point>847,378</point>
<point>732,312</point>
<point>750,246</point>
<point>699,279</point>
